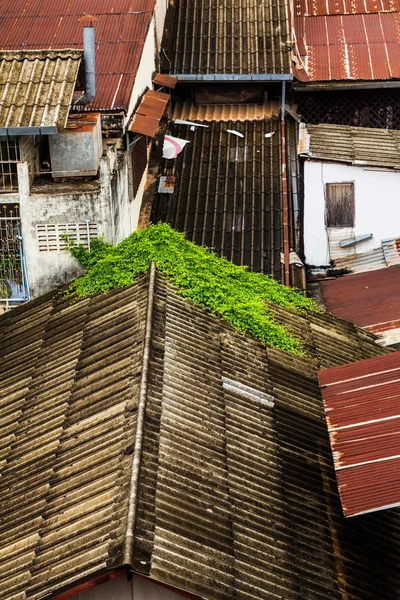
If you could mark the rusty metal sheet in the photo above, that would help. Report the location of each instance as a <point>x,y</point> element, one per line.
<point>370,299</point>
<point>120,36</point>
<point>165,80</point>
<point>362,408</point>
<point>348,42</point>
<point>148,115</point>
<point>317,8</point>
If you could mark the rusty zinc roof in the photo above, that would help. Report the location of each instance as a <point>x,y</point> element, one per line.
<point>361,403</point>
<point>148,115</point>
<point>347,40</point>
<point>235,495</point>
<point>205,37</point>
<point>120,29</point>
<point>355,145</point>
<point>36,89</point>
<point>370,300</point>
<point>227,192</point>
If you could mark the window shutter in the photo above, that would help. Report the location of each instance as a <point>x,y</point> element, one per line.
<point>340,207</point>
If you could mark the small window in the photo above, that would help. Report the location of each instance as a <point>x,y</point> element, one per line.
<point>9,157</point>
<point>340,208</point>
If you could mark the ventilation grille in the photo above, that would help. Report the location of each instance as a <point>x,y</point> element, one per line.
<point>59,237</point>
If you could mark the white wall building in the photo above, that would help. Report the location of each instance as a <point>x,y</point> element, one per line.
<point>351,189</point>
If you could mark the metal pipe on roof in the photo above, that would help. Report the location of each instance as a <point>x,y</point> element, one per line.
<point>89,50</point>
<point>285,208</point>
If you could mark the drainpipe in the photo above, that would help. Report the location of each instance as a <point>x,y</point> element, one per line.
<point>89,51</point>
<point>285,208</point>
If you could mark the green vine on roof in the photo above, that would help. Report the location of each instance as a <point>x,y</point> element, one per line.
<point>238,296</point>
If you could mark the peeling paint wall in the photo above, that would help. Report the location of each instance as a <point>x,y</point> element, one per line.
<point>377,206</point>
<point>122,589</point>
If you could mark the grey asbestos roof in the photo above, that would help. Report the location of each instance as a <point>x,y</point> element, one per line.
<point>205,37</point>
<point>355,145</point>
<point>138,412</point>
<point>36,88</point>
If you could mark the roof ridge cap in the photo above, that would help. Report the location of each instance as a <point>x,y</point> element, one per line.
<point>137,452</point>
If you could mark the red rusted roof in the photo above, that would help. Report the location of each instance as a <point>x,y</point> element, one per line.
<point>148,116</point>
<point>370,300</point>
<point>343,39</point>
<point>362,407</point>
<point>120,30</point>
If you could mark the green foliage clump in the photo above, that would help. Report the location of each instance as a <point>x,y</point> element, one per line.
<point>238,296</point>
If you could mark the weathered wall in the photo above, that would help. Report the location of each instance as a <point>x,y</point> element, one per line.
<point>46,270</point>
<point>122,589</point>
<point>377,206</point>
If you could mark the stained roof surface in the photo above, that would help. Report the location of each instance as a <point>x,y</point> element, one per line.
<point>215,37</point>
<point>236,491</point>
<point>371,300</point>
<point>361,402</point>
<point>36,89</point>
<point>227,192</point>
<point>356,145</point>
<point>347,40</point>
<point>120,30</point>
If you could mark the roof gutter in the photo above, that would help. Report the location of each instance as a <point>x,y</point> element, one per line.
<point>344,85</point>
<point>226,77</point>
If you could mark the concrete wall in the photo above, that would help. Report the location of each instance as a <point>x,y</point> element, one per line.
<point>377,206</point>
<point>67,204</point>
<point>122,589</point>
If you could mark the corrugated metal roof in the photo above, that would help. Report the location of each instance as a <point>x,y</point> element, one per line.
<point>361,403</point>
<point>370,300</point>
<point>316,8</point>
<point>36,89</point>
<point>340,46</point>
<point>355,145</point>
<point>227,192</point>
<point>208,37</point>
<point>149,113</point>
<point>121,29</point>
<point>235,499</point>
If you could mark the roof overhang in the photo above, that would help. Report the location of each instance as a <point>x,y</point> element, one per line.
<point>148,116</point>
<point>329,86</point>
<point>36,89</point>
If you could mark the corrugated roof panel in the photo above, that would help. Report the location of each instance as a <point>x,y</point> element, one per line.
<point>361,402</point>
<point>24,74</point>
<point>205,37</point>
<point>56,25</point>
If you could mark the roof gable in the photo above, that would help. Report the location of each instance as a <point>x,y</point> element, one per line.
<point>234,497</point>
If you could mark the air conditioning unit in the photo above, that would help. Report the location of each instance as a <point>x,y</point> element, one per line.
<point>76,150</point>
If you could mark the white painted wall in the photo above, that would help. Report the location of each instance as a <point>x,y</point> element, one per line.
<point>160,12</point>
<point>377,206</point>
<point>122,589</point>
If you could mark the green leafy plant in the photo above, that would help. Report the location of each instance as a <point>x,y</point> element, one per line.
<point>238,296</point>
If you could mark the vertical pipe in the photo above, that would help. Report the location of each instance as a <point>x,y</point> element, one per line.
<point>285,208</point>
<point>88,234</point>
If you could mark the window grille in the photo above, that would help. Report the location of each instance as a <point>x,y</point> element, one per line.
<point>60,237</point>
<point>9,157</point>
<point>361,108</point>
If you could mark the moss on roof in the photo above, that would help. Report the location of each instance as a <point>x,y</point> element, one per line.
<point>238,296</point>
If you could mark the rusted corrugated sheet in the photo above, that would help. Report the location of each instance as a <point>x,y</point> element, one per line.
<point>148,115</point>
<point>370,300</point>
<point>120,29</point>
<point>317,8</point>
<point>36,89</point>
<point>361,402</point>
<point>338,46</point>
